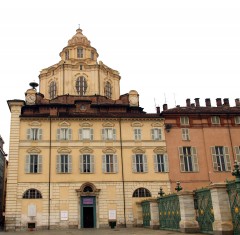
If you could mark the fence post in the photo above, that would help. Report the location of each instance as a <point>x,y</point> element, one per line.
<point>188,223</point>
<point>222,224</point>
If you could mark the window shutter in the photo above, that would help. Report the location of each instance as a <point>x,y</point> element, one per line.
<point>195,159</point>
<point>28,134</point>
<point>114,134</point>
<point>152,131</point>
<point>103,164</point>
<point>183,134</point>
<point>91,134</point>
<point>103,134</point>
<point>92,164</point>
<point>166,166</point>
<point>182,168</point>
<point>39,134</point>
<point>69,163</point>
<point>227,159</point>
<point>134,168</point>
<point>58,134</point>
<point>39,163</point>
<point>69,136</point>
<point>159,134</point>
<point>115,166</point>
<point>155,163</point>
<point>27,164</point>
<point>237,151</point>
<point>58,163</point>
<point>81,163</point>
<point>135,134</point>
<point>214,159</point>
<point>145,166</point>
<point>80,134</point>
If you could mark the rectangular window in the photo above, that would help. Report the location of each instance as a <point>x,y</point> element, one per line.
<point>221,158</point>
<point>33,163</point>
<point>161,163</point>
<point>137,134</point>
<point>67,55</point>
<point>64,134</point>
<point>86,134</point>
<point>215,120</point>
<point>156,134</point>
<point>188,159</point>
<point>34,134</point>
<point>80,52</point>
<point>237,120</point>
<point>64,163</point>
<point>86,163</point>
<point>109,163</point>
<point>139,163</point>
<point>92,55</point>
<point>237,152</point>
<point>184,120</point>
<point>109,134</point>
<point>185,134</point>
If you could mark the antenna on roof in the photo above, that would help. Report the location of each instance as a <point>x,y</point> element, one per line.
<point>155,102</point>
<point>174,99</point>
<point>165,99</point>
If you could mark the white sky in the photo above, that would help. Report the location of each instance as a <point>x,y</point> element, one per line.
<point>162,49</point>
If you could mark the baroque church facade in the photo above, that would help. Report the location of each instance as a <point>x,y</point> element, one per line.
<point>81,153</point>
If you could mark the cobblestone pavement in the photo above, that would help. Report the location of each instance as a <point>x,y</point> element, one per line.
<point>120,231</point>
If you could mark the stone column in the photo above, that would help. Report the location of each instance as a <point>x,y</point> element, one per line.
<point>154,223</point>
<point>222,224</point>
<point>188,223</point>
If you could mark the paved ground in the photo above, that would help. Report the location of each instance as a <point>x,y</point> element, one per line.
<point>120,231</point>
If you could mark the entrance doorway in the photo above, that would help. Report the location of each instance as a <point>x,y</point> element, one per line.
<point>88,212</point>
<point>88,217</point>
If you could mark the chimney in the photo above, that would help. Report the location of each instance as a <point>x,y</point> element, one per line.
<point>197,102</point>
<point>208,102</point>
<point>192,105</point>
<point>226,102</point>
<point>188,102</point>
<point>158,109</point>
<point>219,102</point>
<point>165,107</point>
<point>237,102</point>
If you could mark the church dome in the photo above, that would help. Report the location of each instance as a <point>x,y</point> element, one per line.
<point>79,39</point>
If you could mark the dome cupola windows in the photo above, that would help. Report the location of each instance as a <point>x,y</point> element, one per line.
<point>108,90</point>
<point>81,85</point>
<point>52,90</point>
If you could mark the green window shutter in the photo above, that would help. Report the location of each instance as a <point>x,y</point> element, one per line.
<point>214,159</point>
<point>69,163</point>
<point>114,133</point>
<point>103,163</point>
<point>81,163</point>
<point>227,159</point>
<point>28,134</point>
<point>39,134</point>
<point>166,166</point>
<point>92,164</point>
<point>69,136</point>
<point>145,166</point>
<point>27,164</point>
<point>195,159</point>
<point>134,168</point>
<point>181,157</point>
<point>58,134</point>
<point>58,163</point>
<point>115,162</point>
<point>80,134</point>
<point>237,152</point>
<point>103,134</point>
<point>155,163</point>
<point>39,163</point>
<point>91,134</point>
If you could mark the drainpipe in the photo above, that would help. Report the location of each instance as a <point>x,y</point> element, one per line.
<point>49,171</point>
<point>230,138</point>
<point>123,181</point>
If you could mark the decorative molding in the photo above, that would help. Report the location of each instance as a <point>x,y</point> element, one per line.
<point>86,124</point>
<point>86,150</point>
<point>136,124</point>
<point>34,150</point>
<point>157,124</point>
<point>109,150</point>
<point>138,150</point>
<point>108,124</point>
<point>64,150</point>
<point>161,149</point>
<point>64,124</point>
<point>95,191</point>
<point>35,123</point>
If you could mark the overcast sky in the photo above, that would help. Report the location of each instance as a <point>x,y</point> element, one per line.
<point>166,50</point>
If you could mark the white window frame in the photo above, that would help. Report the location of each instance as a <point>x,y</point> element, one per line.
<point>80,52</point>
<point>184,121</point>
<point>139,163</point>
<point>109,163</point>
<point>156,134</point>
<point>34,134</point>
<point>33,163</point>
<point>237,120</point>
<point>161,163</point>
<point>215,120</point>
<point>86,163</point>
<point>64,163</point>
<point>86,134</point>
<point>109,133</point>
<point>137,132</point>
<point>221,158</point>
<point>64,133</point>
<point>185,134</point>
<point>237,152</point>
<point>188,159</point>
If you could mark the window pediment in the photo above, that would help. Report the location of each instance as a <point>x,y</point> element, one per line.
<point>64,124</point>
<point>86,124</point>
<point>34,150</point>
<point>109,150</point>
<point>64,150</point>
<point>108,124</point>
<point>136,124</point>
<point>35,123</point>
<point>138,150</point>
<point>157,124</point>
<point>161,149</point>
<point>86,150</point>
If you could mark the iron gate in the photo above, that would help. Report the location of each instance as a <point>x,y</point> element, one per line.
<point>234,198</point>
<point>204,208</point>
<point>146,213</point>
<point>169,212</point>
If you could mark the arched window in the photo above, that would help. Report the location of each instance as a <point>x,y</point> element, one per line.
<point>79,52</point>
<point>88,189</point>
<point>108,90</point>
<point>81,85</point>
<point>67,55</point>
<point>141,192</point>
<point>52,90</point>
<point>32,194</point>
